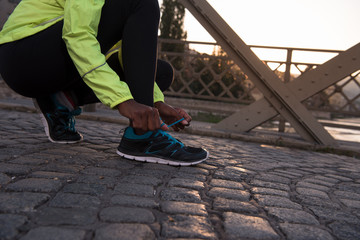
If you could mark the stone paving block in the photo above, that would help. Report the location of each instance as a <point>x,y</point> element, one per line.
<point>54,233</point>
<point>29,160</point>
<point>290,173</point>
<point>269,191</point>
<point>85,188</point>
<point>219,160</point>
<point>30,140</point>
<point>313,170</point>
<point>312,186</point>
<point>4,179</point>
<point>14,169</point>
<point>116,163</point>
<point>226,184</point>
<point>66,216</point>
<point>101,171</point>
<point>339,177</point>
<point>160,167</point>
<point>126,215</point>
<point>93,179</point>
<point>78,148</point>
<point>35,185</point>
<point>194,170</point>
<point>345,231</point>
<point>292,216</point>
<point>227,205</point>
<point>9,224</point>
<point>21,202</point>
<point>84,159</point>
<point>53,175</point>
<point>327,179</point>
<point>135,190</point>
<point>347,195</point>
<point>206,166</point>
<point>245,169</point>
<point>276,201</point>
<point>150,172</point>
<point>231,173</point>
<point>10,151</point>
<point>272,178</point>
<point>9,143</point>
<point>61,167</point>
<point>284,175</point>
<point>319,182</point>
<point>312,192</point>
<point>126,200</point>
<point>181,226</point>
<point>238,226</point>
<point>124,231</point>
<point>184,175</point>
<point>315,201</point>
<point>68,200</point>
<point>350,187</point>
<point>351,203</point>
<point>186,183</point>
<point>147,180</point>
<point>265,184</point>
<point>330,214</point>
<point>304,232</point>
<point>234,194</point>
<point>172,207</point>
<point>180,194</point>
<point>62,151</point>
<point>353,175</point>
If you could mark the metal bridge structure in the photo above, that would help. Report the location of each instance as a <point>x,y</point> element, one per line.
<point>284,98</point>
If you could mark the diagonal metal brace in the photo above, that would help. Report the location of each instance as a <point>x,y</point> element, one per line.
<point>305,86</point>
<point>278,95</point>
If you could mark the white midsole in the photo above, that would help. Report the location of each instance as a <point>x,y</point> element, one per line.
<point>159,160</point>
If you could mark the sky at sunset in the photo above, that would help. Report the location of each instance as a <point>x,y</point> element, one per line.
<point>321,24</point>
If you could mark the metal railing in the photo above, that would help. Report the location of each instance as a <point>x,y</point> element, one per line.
<point>215,77</point>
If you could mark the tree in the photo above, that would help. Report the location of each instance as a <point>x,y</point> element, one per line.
<point>172,25</point>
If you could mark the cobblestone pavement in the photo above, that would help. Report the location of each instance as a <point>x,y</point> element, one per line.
<point>244,191</point>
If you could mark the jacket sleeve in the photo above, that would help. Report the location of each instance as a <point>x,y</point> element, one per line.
<point>158,94</point>
<point>81,20</point>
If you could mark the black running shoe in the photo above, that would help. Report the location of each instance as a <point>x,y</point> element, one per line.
<point>159,147</point>
<point>59,124</point>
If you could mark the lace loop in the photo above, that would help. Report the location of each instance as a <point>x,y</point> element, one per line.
<point>67,117</point>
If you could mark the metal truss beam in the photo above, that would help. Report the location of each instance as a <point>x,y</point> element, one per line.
<point>305,86</point>
<point>281,98</point>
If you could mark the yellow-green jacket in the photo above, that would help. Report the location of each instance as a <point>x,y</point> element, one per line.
<point>81,20</point>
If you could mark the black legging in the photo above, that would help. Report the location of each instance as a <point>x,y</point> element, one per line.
<point>40,65</point>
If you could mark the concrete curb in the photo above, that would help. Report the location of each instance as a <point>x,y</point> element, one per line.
<point>278,140</point>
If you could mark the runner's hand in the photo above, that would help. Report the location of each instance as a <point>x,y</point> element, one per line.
<point>170,115</point>
<point>142,118</point>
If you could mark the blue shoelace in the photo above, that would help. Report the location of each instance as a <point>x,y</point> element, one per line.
<point>172,123</point>
<point>69,116</point>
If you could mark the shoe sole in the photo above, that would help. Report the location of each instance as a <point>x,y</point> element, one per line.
<point>159,160</point>
<point>46,127</point>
